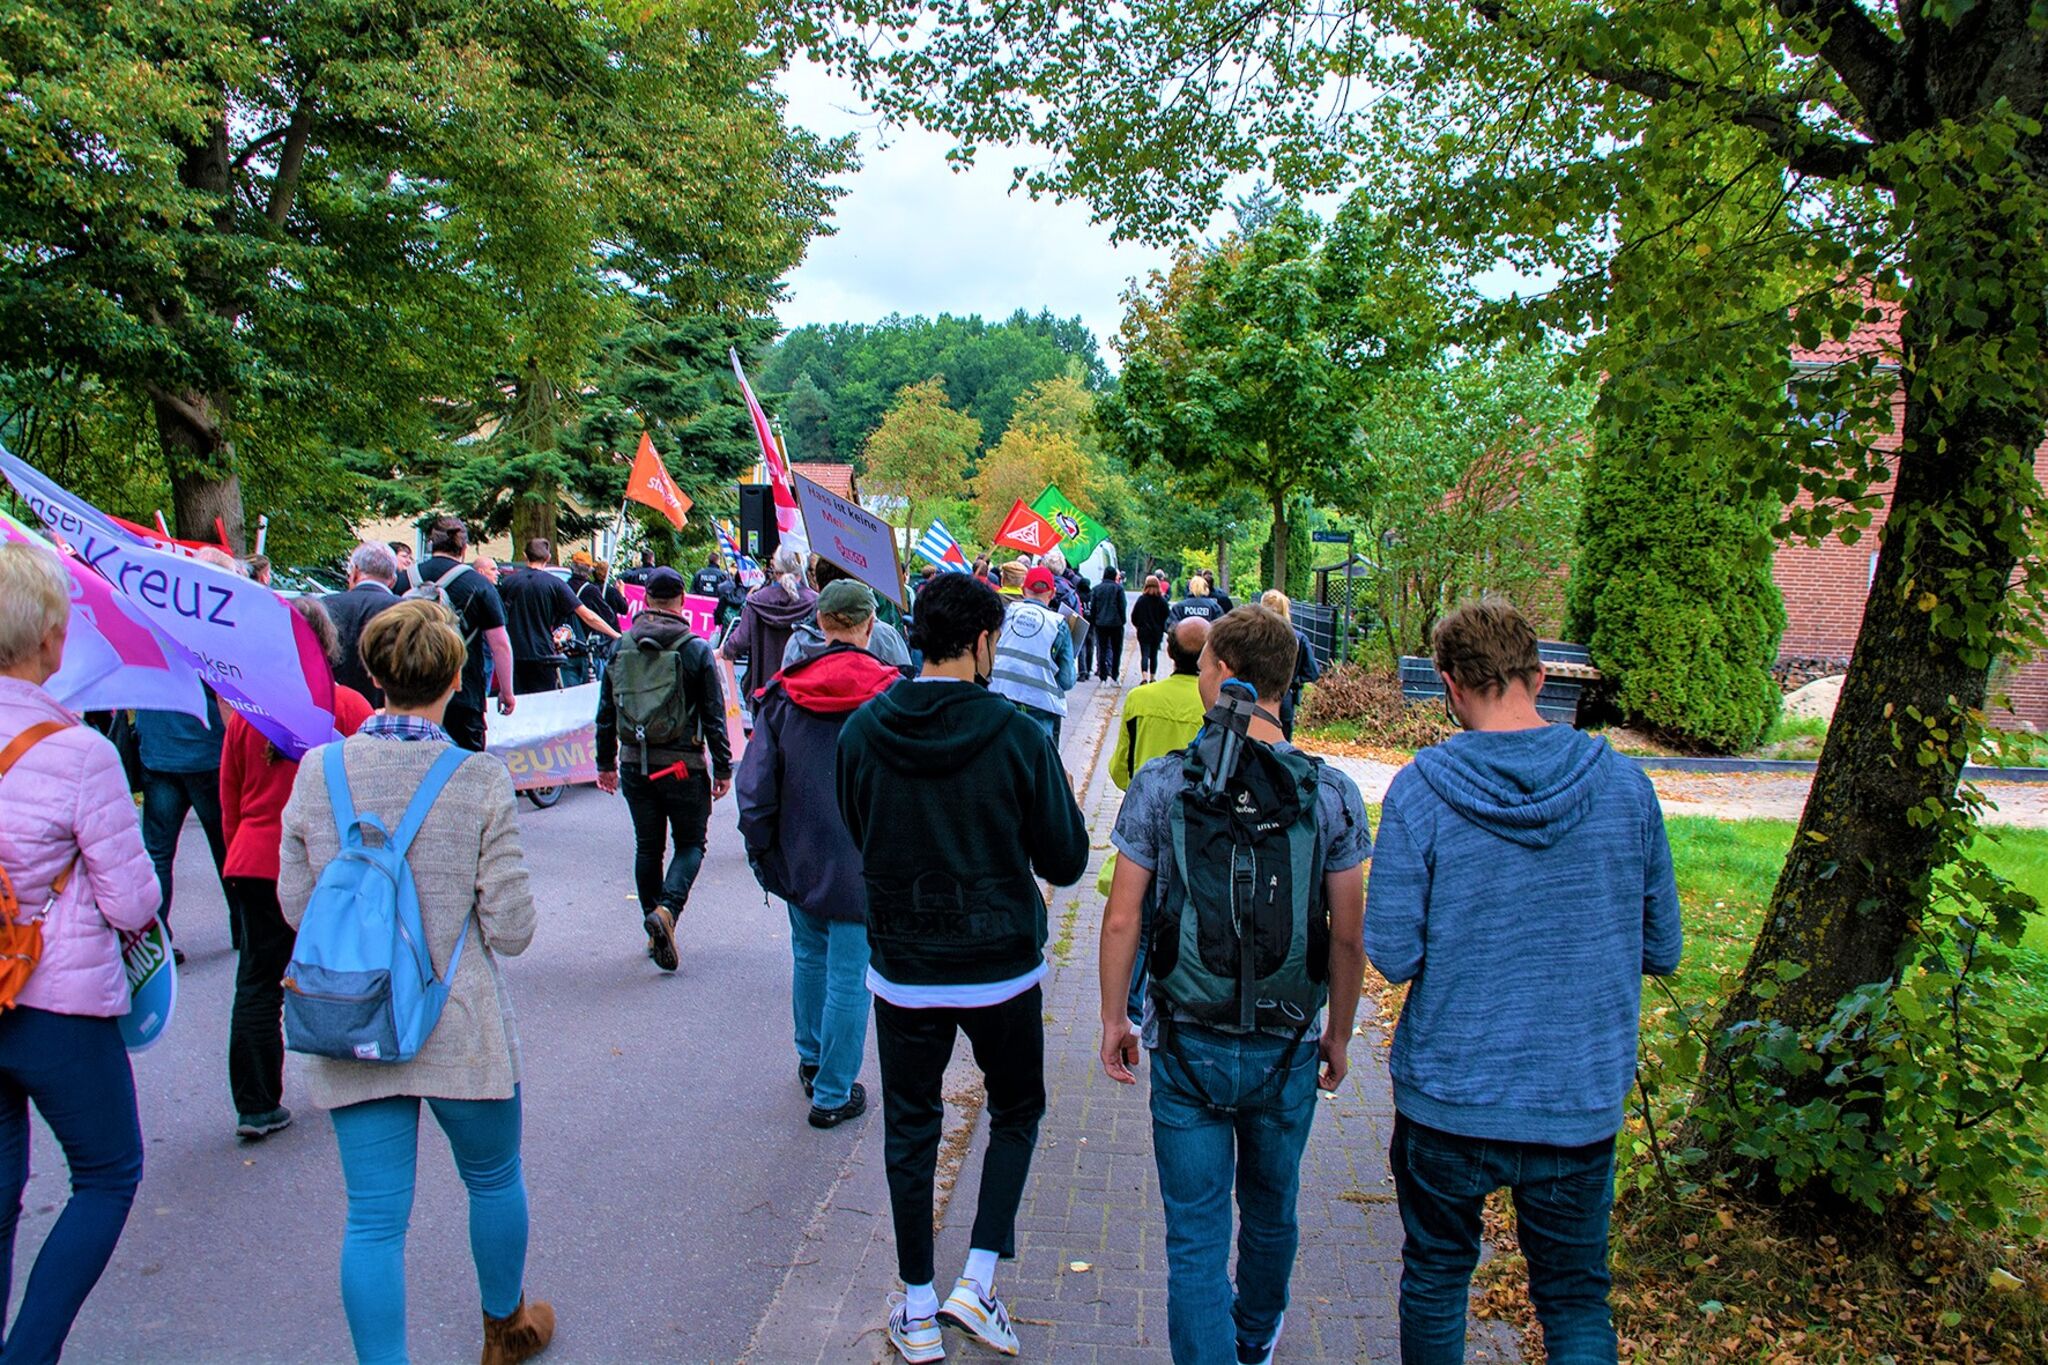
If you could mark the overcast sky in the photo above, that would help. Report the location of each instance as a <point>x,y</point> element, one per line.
<point>916,237</point>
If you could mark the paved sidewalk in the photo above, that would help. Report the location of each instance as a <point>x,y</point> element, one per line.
<point>1089,1280</point>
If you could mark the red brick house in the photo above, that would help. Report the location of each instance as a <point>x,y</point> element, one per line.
<point>1825,586</point>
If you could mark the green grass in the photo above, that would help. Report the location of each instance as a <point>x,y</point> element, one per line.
<point>1727,868</point>
<point>1794,737</point>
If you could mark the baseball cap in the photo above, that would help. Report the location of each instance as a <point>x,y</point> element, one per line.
<point>664,583</point>
<point>1039,580</point>
<point>847,599</point>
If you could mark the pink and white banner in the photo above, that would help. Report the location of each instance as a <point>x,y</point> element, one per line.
<point>113,660</point>
<point>241,639</point>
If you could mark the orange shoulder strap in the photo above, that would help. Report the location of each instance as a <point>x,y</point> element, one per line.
<point>9,756</point>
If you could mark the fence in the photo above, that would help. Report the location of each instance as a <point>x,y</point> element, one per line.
<point>1321,625</point>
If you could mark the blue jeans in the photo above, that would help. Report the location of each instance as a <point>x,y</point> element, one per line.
<point>829,998</point>
<point>166,799</point>
<point>76,1071</point>
<point>1229,1107</point>
<point>379,1143</point>
<point>1562,1199</point>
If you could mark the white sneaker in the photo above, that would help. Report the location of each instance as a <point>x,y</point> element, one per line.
<point>915,1339</point>
<point>984,1319</point>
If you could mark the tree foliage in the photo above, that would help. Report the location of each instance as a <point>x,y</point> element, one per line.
<point>1891,160</point>
<point>1478,462</point>
<point>921,450</point>
<point>296,232</point>
<point>858,369</point>
<point>1021,465</point>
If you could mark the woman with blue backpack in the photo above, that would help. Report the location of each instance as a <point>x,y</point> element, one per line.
<point>399,849</point>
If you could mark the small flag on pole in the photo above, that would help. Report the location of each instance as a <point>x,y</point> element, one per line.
<point>937,545</point>
<point>745,565</point>
<point>651,485</point>
<point>1025,530</point>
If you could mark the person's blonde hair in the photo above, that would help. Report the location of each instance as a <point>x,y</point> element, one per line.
<point>35,599</point>
<point>1272,599</point>
<point>414,651</point>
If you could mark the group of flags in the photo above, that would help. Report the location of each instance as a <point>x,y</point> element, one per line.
<point>1049,521</point>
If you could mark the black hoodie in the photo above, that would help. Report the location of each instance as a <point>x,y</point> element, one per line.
<point>958,804</point>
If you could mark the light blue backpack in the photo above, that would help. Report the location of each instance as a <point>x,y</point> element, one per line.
<point>361,984</point>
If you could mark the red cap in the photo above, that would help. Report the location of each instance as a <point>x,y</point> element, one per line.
<point>1039,580</point>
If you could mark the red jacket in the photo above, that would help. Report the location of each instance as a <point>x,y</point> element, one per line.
<point>256,781</point>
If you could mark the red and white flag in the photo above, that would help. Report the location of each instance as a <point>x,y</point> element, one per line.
<point>1025,530</point>
<point>789,525</point>
<point>652,485</point>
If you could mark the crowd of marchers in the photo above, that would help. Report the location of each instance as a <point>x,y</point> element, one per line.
<point>902,789</point>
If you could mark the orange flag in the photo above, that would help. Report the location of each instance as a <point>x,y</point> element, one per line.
<point>652,485</point>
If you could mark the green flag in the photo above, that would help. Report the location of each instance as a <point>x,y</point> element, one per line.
<point>1079,532</point>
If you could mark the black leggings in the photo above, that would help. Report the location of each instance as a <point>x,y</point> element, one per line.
<point>1148,653</point>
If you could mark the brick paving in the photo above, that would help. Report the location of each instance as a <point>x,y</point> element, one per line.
<point>1093,1197</point>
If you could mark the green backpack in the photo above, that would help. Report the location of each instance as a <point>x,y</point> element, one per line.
<point>1240,923</point>
<point>651,701</point>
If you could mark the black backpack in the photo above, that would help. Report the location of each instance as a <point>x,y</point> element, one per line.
<point>1240,923</point>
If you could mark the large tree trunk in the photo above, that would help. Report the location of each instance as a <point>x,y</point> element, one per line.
<point>1855,880</point>
<point>192,423</point>
<point>536,512</point>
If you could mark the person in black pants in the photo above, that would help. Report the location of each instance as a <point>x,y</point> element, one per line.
<point>180,777</point>
<point>669,787</point>
<point>1148,622</point>
<point>1107,611</point>
<point>956,935</point>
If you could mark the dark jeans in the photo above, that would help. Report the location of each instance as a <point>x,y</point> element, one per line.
<point>536,675</point>
<point>1229,1113</point>
<point>76,1071</point>
<point>1148,654</point>
<point>465,725</point>
<point>166,798</point>
<point>1562,1199</point>
<point>1109,652</point>
<point>256,1027</point>
<point>913,1047</point>
<point>665,807</point>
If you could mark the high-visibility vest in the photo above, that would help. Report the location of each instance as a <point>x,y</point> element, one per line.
<point>1025,670</point>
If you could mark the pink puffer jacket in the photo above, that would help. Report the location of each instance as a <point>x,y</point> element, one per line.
<point>66,795</point>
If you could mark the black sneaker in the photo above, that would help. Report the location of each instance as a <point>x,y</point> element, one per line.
<point>177,955</point>
<point>856,1105</point>
<point>807,1077</point>
<point>257,1126</point>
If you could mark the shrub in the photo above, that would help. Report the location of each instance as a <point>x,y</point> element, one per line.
<point>1371,700</point>
<point>1672,587</point>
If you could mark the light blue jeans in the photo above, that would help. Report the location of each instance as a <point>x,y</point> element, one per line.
<point>379,1143</point>
<point>829,999</point>
<point>1229,1111</point>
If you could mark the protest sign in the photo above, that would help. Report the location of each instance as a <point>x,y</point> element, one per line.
<point>703,614</point>
<point>261,657</point>
<point>152,985</point>
<point>550,740</point>
<point>853,538</point>
<point>735,724</point>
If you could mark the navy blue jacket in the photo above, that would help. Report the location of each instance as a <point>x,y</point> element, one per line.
<point>789,807</point>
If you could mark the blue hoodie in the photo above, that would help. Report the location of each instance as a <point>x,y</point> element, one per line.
<point>1522,883</point>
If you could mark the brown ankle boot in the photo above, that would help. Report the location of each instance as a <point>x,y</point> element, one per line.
<point>521,1336</point>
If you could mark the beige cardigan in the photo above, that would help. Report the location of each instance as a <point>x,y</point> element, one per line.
<point>466,861</point>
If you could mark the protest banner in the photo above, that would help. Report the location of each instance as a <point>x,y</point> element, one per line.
<point>855,539</point>
<point>703,614</point>
<point>259,656</point>
<point>113,659</point>
<point>550,740</point>
<point>735,723</point>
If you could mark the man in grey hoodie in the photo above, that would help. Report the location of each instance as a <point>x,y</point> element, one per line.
<point>1522,885</point>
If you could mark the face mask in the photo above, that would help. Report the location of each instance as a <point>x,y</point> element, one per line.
<point>982,678</point>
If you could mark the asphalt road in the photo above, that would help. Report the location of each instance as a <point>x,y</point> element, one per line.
<point>670,1169</point>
